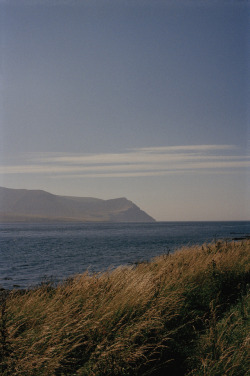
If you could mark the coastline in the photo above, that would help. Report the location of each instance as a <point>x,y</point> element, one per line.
<point>162,314</point>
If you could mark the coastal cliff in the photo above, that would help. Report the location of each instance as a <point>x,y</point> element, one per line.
<point>22,205</point>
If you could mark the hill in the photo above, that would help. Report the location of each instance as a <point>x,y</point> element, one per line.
<point>37,205</point>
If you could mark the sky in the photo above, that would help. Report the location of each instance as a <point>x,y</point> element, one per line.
<point>144,99</point>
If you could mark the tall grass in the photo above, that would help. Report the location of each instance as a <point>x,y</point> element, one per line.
<point>180,314</point>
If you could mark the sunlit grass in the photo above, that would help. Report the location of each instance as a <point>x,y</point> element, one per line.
<point>180,314</point>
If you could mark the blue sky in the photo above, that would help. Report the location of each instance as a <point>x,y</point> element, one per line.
<point>142,99</point>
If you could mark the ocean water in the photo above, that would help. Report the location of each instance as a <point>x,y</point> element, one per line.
<point>34,253</point>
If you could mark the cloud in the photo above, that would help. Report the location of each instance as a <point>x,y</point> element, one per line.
<point>188,148</point>
<point>142,155</point>
<point>150,161</point>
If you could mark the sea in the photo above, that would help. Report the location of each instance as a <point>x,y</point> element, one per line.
<point>32,254</point>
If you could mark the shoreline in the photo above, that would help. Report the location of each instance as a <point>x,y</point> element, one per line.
<point>17,287</point>
<point>177,313</point>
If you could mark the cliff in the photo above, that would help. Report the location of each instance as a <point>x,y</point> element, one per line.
<point>37,205</point>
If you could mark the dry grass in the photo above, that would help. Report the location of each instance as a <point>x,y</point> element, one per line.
<point>179,314</point>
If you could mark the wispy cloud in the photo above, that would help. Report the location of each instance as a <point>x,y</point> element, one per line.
<point>150,161</point>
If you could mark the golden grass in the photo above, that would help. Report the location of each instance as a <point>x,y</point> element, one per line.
<point>179,314</point>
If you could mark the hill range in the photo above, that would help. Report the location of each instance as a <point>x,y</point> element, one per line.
<point>23,205</point>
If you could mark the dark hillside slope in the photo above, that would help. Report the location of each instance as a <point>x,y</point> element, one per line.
<point>34,205</point>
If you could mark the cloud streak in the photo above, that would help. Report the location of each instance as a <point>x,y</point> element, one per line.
<point>151,161</point>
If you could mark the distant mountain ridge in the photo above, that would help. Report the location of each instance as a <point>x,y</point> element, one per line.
<point>23,205</point>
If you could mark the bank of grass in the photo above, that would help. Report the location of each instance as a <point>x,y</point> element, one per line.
<point>180,314</point>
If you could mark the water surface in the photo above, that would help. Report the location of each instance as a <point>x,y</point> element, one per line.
<point>32,253</point>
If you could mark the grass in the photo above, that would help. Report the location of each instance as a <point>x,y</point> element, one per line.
<point>180,314</point>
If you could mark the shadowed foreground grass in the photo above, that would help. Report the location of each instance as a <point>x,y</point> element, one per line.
<point>180,314</point>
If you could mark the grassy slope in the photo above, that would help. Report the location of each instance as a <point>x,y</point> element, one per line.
<point>182,314</point>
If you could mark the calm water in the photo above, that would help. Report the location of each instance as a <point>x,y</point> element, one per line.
<point>32,253</point>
